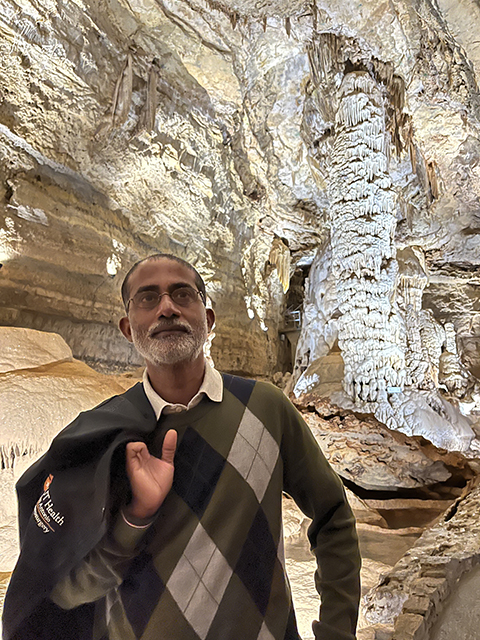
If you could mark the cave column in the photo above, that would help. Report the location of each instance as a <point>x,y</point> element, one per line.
<point>362,225</point>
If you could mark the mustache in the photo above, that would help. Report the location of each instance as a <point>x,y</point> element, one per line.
<point>166,325</point>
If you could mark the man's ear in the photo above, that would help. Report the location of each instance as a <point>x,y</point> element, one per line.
<point>125,328</point>
<point>210,319</point>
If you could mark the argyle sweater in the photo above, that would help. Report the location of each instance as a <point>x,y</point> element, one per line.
<point>211,567</point>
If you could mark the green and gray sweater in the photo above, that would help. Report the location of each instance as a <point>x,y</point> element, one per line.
<point>211,566</point>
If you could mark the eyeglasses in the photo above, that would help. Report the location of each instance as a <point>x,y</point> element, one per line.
<point>183,297</point>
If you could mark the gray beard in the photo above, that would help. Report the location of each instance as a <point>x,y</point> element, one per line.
<point>173,349</point>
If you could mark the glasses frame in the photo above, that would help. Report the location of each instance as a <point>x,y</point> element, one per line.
<point>160,296</point>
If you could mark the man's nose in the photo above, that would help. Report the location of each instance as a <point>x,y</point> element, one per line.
<point>166,307</point>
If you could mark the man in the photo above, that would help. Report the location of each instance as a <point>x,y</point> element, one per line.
<point>191,546</point>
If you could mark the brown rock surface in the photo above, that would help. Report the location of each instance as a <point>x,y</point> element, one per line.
<point>27,349</point>
<point>373,457</point>
<point>412,595</point>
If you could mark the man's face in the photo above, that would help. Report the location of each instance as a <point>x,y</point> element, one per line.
<point>167,334</point>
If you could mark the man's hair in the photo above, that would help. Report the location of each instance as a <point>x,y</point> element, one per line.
<point>199,283</point>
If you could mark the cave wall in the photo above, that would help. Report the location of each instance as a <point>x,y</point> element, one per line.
<point>123,133</point>
<point>212,130</point>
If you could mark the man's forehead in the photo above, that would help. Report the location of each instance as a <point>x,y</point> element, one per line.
<point>163,269</point>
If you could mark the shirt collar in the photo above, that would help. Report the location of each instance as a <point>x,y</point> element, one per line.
<point>212,386</point>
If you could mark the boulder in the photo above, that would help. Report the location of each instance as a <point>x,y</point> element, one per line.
<point>22,348</point>
<point>373,457</point>
<point>420,583</point>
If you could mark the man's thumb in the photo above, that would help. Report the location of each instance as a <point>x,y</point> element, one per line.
<point>169,446</point>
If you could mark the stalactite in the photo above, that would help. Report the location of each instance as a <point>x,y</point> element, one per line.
<point>151,102</point>
<point>13,452</point>
<point>280,257</point>
<point>412,281</point>
<point>314,15</point>
<point>122,96</point>
<point>433,180</point>
<point>433,338</point>
<point>362,222</point>
<point>313,62</point>
<point>234,19</point>
<point>452,373</point>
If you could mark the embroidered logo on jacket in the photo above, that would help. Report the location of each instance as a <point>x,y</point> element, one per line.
<point>46,517</point>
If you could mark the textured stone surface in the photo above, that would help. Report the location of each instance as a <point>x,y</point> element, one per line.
<point>27,349</point>
<point>208,129</point>
<point>372,456</point>
<point>461,611</point>
<point>412,595</point>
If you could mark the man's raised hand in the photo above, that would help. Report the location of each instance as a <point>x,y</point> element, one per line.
<point>150,478</point>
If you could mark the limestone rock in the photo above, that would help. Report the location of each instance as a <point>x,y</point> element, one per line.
<point>35,404</point>
<point>386,545</point>
<point>9,546</point>
<point>26,349</point>
<point>209,130</point>
<point>38,403</point>
<point>408,512</point>
<point>305,598</point>
<point>364,512</point>
<point>293,518</point>
<point>461,614</point>
<point>372,456</point>
<point>421,581</point>
<point>323,376</point>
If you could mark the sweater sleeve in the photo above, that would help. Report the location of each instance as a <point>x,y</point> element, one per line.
<point>319,492</point>
<point>102,569</point>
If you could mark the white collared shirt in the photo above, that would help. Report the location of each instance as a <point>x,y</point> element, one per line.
<point>212,386</point>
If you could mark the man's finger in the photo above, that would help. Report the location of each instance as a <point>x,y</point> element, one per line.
<point>136,449</point>
<point>169,446</point>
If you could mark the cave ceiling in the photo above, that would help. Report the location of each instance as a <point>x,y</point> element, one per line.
<point>208,129</point>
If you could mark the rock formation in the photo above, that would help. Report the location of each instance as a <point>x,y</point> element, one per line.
<point>318,162</point>
<point>411,596</point>
<point>230,134</point>
<point>372,457</point>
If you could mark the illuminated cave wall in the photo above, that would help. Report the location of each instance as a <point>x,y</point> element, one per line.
<point>254,141</point>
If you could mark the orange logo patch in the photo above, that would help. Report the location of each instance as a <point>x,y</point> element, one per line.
<point>48,482</point>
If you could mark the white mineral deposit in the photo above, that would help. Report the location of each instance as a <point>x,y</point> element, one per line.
<point>319,163</point>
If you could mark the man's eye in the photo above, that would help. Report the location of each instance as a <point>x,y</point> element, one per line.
<point>147,297</point>
<point>182,294</point>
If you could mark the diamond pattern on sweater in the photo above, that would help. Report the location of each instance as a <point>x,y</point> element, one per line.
<point>254,453</point>
<point>265,633</point>
<point>140,592</point>
<point>241,388</point>
<point>257,560</point>
<point>199,581</point>
<point>197,470</point>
